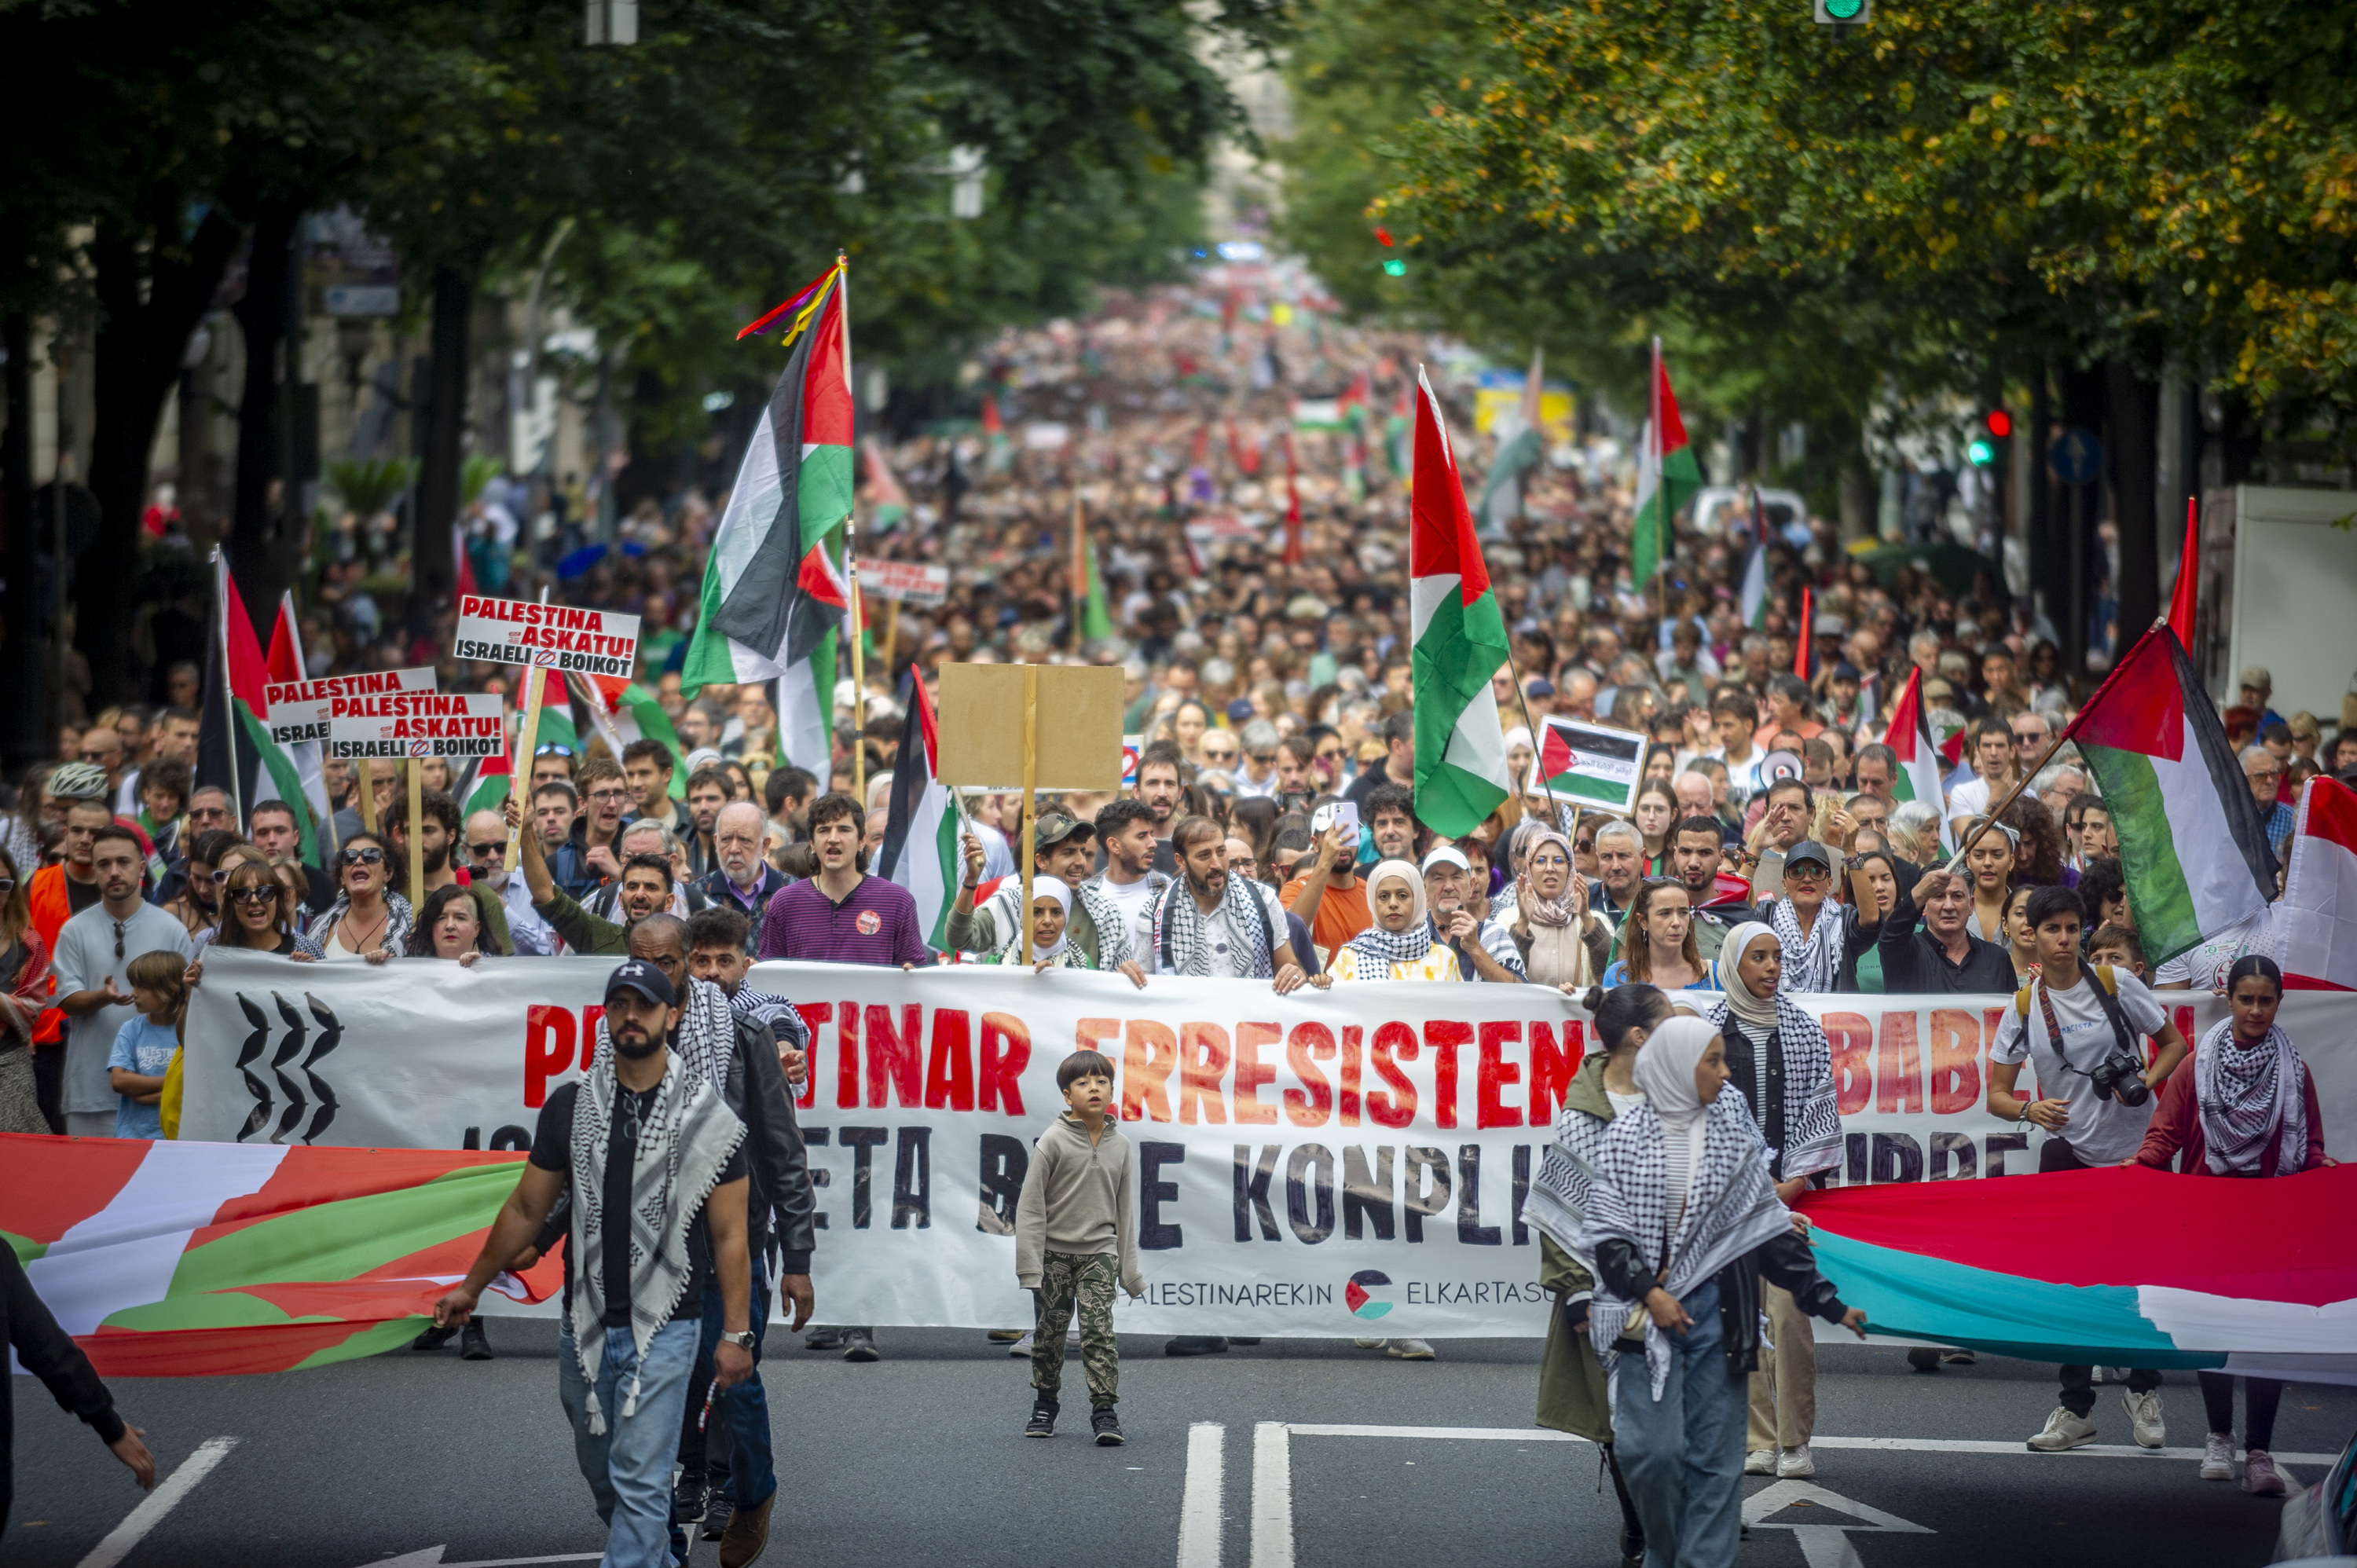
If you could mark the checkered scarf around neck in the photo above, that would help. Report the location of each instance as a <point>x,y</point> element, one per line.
<point>1378,948</point>
<point>768,1007</point>
<point>706,1038</point>
<point>1812,963</point>
<point>1731,1206</point>
<point>2250,1096</point>
<point>683,1142</point>
<point>1557,1202</point>
<point>1813,1132</point>
<point>1190,935</point>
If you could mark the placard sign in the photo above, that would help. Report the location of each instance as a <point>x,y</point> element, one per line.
<point>554,637</point>
<point>420,724</point>
<point>911,582</point>
<point>299,710</point>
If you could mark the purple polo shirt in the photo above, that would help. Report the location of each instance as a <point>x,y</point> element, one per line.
<point>877,924</point>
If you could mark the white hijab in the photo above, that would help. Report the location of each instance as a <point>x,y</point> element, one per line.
<point>1665,1069</point>
<point>1757,1016</point>
<point>1050,887</point>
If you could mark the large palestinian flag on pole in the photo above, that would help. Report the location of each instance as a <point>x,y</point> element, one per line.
<point>1917,777</point>
<point>285,663</point>
<point>2191,843</point>
<point>166,1260</point>
<point>921,834</point>
<point>235,751</point>
<point>488,786</point>
<point>1667,477</point>
<point>774,597</point>
<point>1459,641</point>
<point>2049,1275</point>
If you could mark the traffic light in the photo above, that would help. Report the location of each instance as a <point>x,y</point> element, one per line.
<point>1394,268</point>
<point>1995,425</point>
<point>1835,13</point>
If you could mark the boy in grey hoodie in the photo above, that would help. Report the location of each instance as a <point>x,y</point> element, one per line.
<point>1073,1239</point>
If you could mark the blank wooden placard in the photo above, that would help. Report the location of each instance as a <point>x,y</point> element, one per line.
<point>981,723</point>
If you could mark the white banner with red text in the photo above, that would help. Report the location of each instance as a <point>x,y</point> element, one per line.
<point>1352,1161</point>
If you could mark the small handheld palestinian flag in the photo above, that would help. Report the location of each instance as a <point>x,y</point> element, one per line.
<point>1590,765</point>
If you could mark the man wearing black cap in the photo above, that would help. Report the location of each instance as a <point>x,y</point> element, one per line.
<point>1062,847</point>
<point>634,1143</point>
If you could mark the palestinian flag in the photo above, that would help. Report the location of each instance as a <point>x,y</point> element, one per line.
<point>493,776</point>
<point>998,451</point>
<point>166,1260</point>
<point>1589,763</point>
<point>2192,845</point>
<point>1459,641</point>
<point>921,833</point>
<point>888,503</point>
<point>1518,452</point>
<point>1917,777</point>
<point>1667,477</point>
<point>235,751</point>
<point>2185,596</point>
<point>2315,928</point>
<point>285,663</point>
<point>774,598</point>
<point>2051,1275</point>
<point>1752,598</point>
<point>1090,614</point>
<point>624,712</point>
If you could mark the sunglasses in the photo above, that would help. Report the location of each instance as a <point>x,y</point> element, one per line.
<point>255,894</point>
<point>367,855</point>
<point>480,849</point>
<point>220,877</point>
<point>118,938</point>
<point>98,756</point>
<point>552,748</point>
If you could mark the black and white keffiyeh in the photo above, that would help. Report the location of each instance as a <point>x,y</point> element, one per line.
<point>1183,934</point>
<point>2250,1096</point>
<point>1114,946</point>
<point>785,1020</point>
<point>1557,1202</point>
<point>706,1038</point>
<point>1730,1209</point>
<point>1812,963</point>
<point>684,1139</point>
<point>1376,949</point>
<point>1812,1133</point>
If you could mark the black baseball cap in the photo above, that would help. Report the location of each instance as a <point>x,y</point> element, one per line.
<point>645,978</point>
<point>1808,852</point>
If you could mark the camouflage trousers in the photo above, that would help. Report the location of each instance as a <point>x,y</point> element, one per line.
<point>1063,1279</point>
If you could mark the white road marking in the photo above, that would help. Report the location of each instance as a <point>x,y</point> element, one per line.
<point>1825,1545</point>
<point>1200,1511</point>
<point>1887,1445</point>
<point>431,1557</point>
<point>157,1503</point>
<point>1272,1499</point>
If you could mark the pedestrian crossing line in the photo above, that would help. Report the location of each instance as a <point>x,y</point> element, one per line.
<point>1880,1445</point>
<point>152,1508</point>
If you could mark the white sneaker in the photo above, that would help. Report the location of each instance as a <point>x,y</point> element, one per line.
<point>1021,1348</point>
<point>1410,1350</point>
<point>1760,1462</point>
<point>2064,1431</point>
<point>2145,1418</point>
<point>1370,1344</point>
<point>2218,1458</point>
<point>1796,1464</point>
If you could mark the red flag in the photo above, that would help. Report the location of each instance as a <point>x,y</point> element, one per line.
<point>1292,551</point>
<point>2188,575</point>
<point>1801,644</point>
<point>991,423</point>
<point>286,658</point>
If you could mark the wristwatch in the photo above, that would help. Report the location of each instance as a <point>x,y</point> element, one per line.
<point>742,1339</point>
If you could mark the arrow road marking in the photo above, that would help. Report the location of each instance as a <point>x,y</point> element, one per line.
<point>157,1503</point>
<point>431,1557</point>
<point>1825,1545</point>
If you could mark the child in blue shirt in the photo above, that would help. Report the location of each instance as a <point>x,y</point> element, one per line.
<point>144,1046</point>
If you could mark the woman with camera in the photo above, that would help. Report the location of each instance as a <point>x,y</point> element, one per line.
<point>2082,1028</point>
<point>2248,1108</point>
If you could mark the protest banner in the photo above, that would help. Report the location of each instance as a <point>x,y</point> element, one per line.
<point>1593,765</point>
<point>908,582</point>
<point>1283,1149</point>
<point>299,710</point>
<point>418,725</point>
<point>554,637</point>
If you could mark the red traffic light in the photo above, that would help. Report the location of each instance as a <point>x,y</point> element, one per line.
<point>2001,423</point>
<point>1383,235</point>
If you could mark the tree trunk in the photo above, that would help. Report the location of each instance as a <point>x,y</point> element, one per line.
<point>2135,457</point>
<point>261,323</point>
<point>433,570</point>
<point>137,363</point>
<point>25,737</point>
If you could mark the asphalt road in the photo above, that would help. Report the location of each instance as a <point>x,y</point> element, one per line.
<point>1233,1460</point>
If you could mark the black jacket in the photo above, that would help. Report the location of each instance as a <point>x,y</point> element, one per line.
<point>45,1352</point>
<point>1914,964</point>
<point>1785,1261</point>
<point>774,1156</point>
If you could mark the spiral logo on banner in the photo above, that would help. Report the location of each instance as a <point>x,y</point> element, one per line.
<point>290,1046</point>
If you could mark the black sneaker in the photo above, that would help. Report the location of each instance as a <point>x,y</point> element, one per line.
<point>1043,1418</point>
<point>1923,1358</point>
<point>824,1339</point>
<point>1107,1427</point>
<point>435,1338</point>
<point>1632,1549</point>
<point>472,1344</point>
<point>860,1345</point>
<point>688,1497</point>
<point>1195,1344</point>
<point>717,1514</point>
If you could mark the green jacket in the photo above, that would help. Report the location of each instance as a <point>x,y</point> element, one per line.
<point>1573,1396</point>
<point>583,931</point>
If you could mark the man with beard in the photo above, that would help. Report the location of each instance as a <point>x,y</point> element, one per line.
<point>707,791</point>
<point>486,846</point>
<point>1162,790</point>
<point>741,878</point>
<point>646,890</point>
<point>1694,858</point>
<point>1130,882</point>
<point>94,952</point>
<point>636,1143</point>
<point>1064,849</point>
<point>435,839</point>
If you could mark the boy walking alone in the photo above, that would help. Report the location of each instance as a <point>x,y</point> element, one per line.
<point>1073,1239</point>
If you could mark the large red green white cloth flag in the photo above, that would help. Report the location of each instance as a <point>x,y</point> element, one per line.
<point>198,1260</point>
<point>1920,767</point>
<point>1667,477</point>
<point>2191,843</point>
<point>774,596</point>
<point>1459,641</point>
<point>284,663</point>
<point>921,833</point>
<point>235,751</point>
<point>2314,926</point>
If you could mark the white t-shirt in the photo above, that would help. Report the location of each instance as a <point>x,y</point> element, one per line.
<point>2203,968</point>
<point>2101,1131</point>
<point>1969,799</point>
<point>1136,903</point>
<point>1228,960</point>
<point>1743,778</point>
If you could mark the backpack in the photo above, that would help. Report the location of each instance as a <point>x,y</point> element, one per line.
<point>2107,993</point>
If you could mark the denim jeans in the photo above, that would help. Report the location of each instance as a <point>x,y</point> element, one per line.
<point>1682,1454</point>
<point>740,1414</point>
<point>629,1466</point>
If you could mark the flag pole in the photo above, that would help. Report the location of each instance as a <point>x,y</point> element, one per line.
<point>1080,574</point>
<point>527,737</point>
<point>858,677</point>
<point>1662,528</point>
<point>228,693</point>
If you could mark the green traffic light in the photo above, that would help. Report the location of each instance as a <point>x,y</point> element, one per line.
<point>1981,453</point>
<point>1843,10</point>
<point>1395,268</point>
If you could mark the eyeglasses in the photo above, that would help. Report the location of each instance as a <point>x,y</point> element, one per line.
<point>480,850</point>
<point>7,885</point>
<point>220,877</point>
<point>255,894</point>
<point>610,795</point>
<point>367,855</point>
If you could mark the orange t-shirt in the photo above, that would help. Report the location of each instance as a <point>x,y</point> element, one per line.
<point>1342,913</point>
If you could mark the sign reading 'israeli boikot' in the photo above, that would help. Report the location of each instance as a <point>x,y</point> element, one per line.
<point>554,637</point>
<point>418,724</point>
<point>300,709</point>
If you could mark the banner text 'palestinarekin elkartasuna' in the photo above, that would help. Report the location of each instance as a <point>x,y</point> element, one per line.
<point>1352,1161</point>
